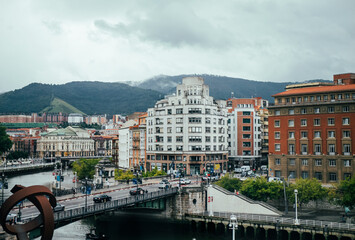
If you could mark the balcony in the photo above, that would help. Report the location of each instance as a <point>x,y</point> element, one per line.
<point>317,153</point>
<point>331,153</point>
<point>304,153</point>
<point>346,153</point>
<point>291,153</point>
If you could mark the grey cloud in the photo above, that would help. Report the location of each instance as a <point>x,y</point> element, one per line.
<point>53,26</point>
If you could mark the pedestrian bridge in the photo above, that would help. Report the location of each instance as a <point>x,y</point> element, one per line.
<point>19,169</point>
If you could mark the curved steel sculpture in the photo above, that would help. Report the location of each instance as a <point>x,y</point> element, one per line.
<point>43,199</point>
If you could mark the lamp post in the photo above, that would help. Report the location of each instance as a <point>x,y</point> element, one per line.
<point>86,194</point>
<point>296,220</point>
<point>4,185</point>
<point>233,224</point>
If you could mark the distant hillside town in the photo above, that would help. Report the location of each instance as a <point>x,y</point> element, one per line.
<point>307,133</point>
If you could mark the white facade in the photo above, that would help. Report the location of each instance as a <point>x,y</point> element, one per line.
<point>189,127</point>
<point>123,155</point>
<point>75,118</point>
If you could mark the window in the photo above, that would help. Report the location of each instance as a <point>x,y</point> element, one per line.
<point>291,134</point>
<point>277,112</point>
<point>312,98</point>
<point>318,162</point>
<point>168,120</point>
<point>317,134</point>
<point>277,123</point>
<point>208,120</point>
<point>346,149</point>
<point>304,149</point>
<point>195,139</point>
<point>179,111</point>
<point>331,149</point>
<point>299,99</point>
<point>317,149</point>
<point>347,163</point>
<point>208,130</point>
<point>331,121</point>
<point>316,122</point>
<point>317,110</point>
<point>287,100</point>
<point>330,109</point>
<point>246,144</point>
<point>246,128</point>
<point>277,135</point>
<point>332,97</point>
<point>291,123</point>
<point>195,129</point>
<point>303,110</point>
<point>246,120</point>
<point>169,139</point>
<point>194,120</point>
<point>179,129</point>
<point>169,111</point>
<point>195,110</point>
<point>347,96</point>
<point>208,111</point>
<point>332,162</point>
<point>179,139</point>
<point>318,175</point>
<point>277,147</point>
<point>347,176</point>
<point>292,161</point>
<point>303,122</point>
<point>346,134</point>
<point>277,173</point>
<point>178,148</point>
<point>325,97</point>
<point>246,136</point>
<point>208,139</point>
<point>292,174</point>
<point>332,176</point>
<point>246,113</point>
<point>340,96</point>
<point>277,161</point>
<point>319,98</point>
<point>331,134</point>
<point>305,99</point>
<point>291,111</point>
<point>304,134</point>
<point>169,130</point>
<point>291,149</point>
<point>346,121</point>
<point>304,162</point>
<point>304,174</point>
<point>346,108</point>
<point>179,120</point>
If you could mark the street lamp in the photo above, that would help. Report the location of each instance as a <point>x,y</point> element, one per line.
<point>296,220</point>
<point>86,194</point>
<point>4,185</point>
<point>233,224</point>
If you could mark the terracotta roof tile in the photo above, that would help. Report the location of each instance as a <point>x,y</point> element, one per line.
<point>318,89</point>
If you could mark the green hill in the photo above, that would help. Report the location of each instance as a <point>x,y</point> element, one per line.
<point>57,105</point>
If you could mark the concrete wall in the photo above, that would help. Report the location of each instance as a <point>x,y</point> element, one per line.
<point>221,200</point>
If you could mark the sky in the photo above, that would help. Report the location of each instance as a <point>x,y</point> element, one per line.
<point>56,42</point>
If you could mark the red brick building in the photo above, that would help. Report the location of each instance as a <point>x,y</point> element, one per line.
<point>311,128</point>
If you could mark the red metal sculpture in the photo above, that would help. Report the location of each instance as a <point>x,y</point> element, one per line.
<point>43,199</point>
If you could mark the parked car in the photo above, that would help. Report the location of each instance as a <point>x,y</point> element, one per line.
<point>137,191</point>
<point>184,181</point>
<point>58,208</point>
<point>164,184</point>
<point>102,198</point>
<point>276,179</point>
<point>263,167</point>
<point>245,168</point>
<point>238,170</point>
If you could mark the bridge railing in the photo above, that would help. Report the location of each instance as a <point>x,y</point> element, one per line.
<point>283,220</point>
<point>81,211</point>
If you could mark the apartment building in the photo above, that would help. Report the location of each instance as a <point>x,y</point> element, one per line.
<point>188,130</point>
<point>311,130</point>
<point>245,131</point>
<point>137,151</point>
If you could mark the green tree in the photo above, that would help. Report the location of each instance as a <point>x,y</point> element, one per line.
<point>344,193</point>
<point>123,175</point>
<point>17,155</point>
<point>5,142</point>
<point>260,189</point>
<point>85,168</point>
<point>229,183</point>
<point>308,190</point>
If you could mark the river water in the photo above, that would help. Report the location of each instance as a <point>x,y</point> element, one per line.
<point>121,225</point>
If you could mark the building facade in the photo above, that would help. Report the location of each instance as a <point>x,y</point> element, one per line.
<point>188,130</point>
<point>244,131</point>
<point>66,142</point>
<point>137,151</point>
<point>311,131</point>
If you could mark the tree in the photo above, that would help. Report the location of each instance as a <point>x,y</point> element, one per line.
<point>85,168</point>
<point>260,189</point>
<point>5,142</point>
<point>17,155</point>
<point>230,184</point>
<point>308,190</point>
<point>344,193</point>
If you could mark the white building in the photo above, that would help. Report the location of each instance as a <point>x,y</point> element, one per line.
<point>188,131</point>
<point>125,144</point>
<point>75,118</point>
<point>65,142</point>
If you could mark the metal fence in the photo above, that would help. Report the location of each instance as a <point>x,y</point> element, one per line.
<point>283,220</point>
<point>80,211</point>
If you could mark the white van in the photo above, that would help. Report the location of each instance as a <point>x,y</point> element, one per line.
<point>245,168</point>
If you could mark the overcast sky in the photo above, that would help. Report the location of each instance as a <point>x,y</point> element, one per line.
<point>75,40</point>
